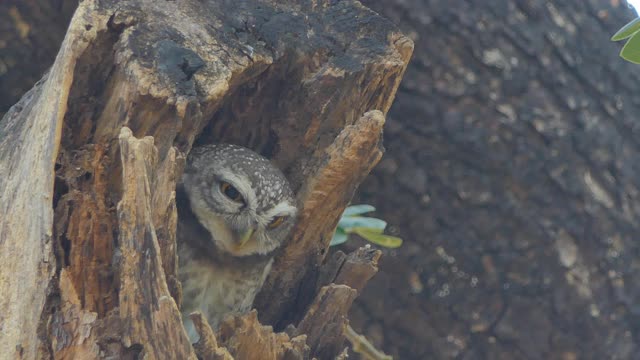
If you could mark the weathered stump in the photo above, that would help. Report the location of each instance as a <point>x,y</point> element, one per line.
<point>90,157</point>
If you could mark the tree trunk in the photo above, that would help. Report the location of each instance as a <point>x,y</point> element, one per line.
<point>30,35</point>
<point>511,176</point>
<point>91,155</point>
<point>511,173</point>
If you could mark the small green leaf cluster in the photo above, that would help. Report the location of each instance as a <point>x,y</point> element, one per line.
<point>631,50</point>
<point>369,228</point>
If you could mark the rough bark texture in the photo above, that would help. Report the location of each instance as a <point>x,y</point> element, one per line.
<point>511,173</point>
<point>91,155</point>
<point>325,320</point>
<point>148,313</point>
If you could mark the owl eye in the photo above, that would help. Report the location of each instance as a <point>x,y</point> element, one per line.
<point>277,221</point>
<point>232,193</point>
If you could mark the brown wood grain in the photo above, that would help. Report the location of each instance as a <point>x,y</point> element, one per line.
<point>91,156</point>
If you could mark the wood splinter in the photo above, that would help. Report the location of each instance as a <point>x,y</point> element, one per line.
<point>207,347</point>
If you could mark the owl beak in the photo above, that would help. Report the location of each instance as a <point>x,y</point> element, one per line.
<point>245,238</point>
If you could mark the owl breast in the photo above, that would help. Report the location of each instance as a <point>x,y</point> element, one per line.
<point>217,290</point>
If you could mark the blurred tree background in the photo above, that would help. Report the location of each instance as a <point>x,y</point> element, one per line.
<point>511,172</point>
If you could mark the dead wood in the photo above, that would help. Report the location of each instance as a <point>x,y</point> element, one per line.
<point>325,320</point>
<point>246,338</point>
<point>207,347</point>
<point>90,157</point>
<point>353,270</point>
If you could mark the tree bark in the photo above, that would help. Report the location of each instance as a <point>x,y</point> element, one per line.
<point>511,173</point>
<point>91,156</point>
<point>30,35</point>
<point>507,106</point>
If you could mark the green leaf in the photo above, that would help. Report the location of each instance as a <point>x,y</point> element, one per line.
<point>349,222</point>
<point>627,30</point>
<point>339,237</point>
<point>375,230</point>
<point>379,239</point>
<point>631,50</point>
<point>357,210</point>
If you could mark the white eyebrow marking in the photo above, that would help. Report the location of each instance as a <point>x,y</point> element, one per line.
<point>284,208</point>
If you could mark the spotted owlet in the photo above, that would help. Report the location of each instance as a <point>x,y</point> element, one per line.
<point>235,209</point>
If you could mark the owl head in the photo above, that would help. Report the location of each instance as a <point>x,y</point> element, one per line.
<point>244,202</point>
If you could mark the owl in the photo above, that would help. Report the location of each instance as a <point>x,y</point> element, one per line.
<point>235,209</point>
